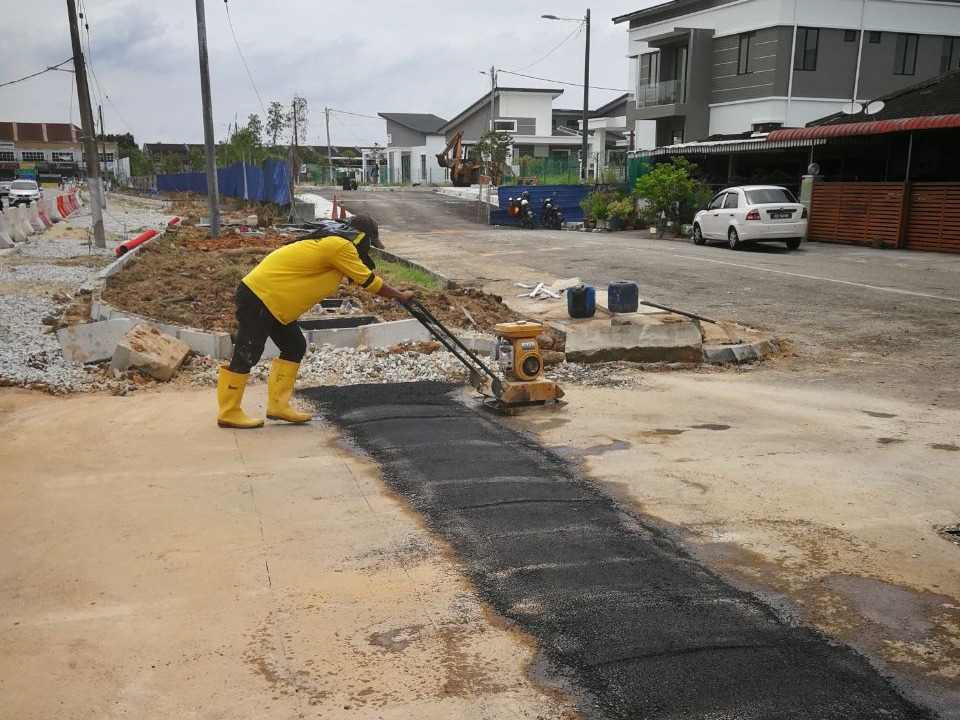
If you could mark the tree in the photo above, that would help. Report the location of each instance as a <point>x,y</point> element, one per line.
<point>127,146</point>
<point>171,164</point>
<point>297,119</point>
<point>663,189</point>
<point>196,159</point>
<point>492,146</point>
<point>255,126</point>
<point>276,121</point>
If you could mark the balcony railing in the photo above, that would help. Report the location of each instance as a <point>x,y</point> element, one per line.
<point>667,92</point>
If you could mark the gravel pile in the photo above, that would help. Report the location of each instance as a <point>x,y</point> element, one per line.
<point>30,354</point>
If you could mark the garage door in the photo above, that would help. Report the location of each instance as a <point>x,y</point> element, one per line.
<point>934,222</point>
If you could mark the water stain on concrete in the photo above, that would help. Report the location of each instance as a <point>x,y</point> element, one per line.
<point>950,447</point>
<point>873,413</point>
<point>395,640</point>
<point>593,450</point>
<point>889,441</point>
<point>710,426</point>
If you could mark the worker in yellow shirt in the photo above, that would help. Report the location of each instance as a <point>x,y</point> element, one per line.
<point>288,282</point>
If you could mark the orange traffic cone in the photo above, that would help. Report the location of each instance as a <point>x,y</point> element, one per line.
<point>333,212</point>
<point>343,210</point>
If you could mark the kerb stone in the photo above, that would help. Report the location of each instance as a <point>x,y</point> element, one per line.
<point>670,342</point>
<point>93,342</point>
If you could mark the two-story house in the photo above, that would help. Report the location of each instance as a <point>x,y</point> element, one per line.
<point>413,141</point>
<point>708,68</point>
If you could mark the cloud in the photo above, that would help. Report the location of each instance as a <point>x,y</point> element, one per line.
<point>362,58</point>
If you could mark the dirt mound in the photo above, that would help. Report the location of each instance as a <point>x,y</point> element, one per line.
<point>188,279</point>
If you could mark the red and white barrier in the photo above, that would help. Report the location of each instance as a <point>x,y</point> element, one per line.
<point>50,205</point>
<point>6,238</point>
<point>42,212</point>
<point>33,217</point>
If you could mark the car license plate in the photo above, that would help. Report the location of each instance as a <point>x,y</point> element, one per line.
<point>781,215</point>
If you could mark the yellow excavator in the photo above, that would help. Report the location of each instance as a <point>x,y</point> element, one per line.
<point>466,172</point>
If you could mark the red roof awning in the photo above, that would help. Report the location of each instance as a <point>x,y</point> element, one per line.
<point>871,127</point>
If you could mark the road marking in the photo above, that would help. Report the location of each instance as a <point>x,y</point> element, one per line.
<point>824,279</point>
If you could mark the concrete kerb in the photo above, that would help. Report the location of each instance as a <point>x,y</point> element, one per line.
<point>219,346</point>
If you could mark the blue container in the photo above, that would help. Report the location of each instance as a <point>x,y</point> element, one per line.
<point>581,301</point>
<point>623,297</point>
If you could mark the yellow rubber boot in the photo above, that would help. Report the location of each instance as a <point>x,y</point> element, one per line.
<point>283,373</point>
<point>230,386</point>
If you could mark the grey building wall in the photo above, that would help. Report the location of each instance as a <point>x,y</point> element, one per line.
<point>836,65</point>
<point>401,136</point>
<point>877,69</point>
<point>766,53</point>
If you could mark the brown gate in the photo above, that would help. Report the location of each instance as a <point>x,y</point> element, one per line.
<point>934,221</point>
<point>857,213</point>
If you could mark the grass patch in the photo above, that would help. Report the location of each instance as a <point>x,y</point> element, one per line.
<point>399,274</point>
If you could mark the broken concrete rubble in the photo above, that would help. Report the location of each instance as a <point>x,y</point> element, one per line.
<point>150,351</point>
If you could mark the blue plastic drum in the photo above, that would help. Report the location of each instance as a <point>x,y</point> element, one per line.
<point>581,301</point>
<point>623,296</point>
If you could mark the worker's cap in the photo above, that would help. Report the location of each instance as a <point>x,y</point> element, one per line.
<point>371,236</point>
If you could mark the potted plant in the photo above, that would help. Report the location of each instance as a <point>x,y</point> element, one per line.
<point>621,212</point>
<point>595,207</point>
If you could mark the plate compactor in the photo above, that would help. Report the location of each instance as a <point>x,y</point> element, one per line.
<point>516,353</point>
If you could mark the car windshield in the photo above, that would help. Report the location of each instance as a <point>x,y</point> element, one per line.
<point>769,196</point>
<point>23,185</point>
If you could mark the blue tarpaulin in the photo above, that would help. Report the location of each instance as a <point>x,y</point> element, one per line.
<point>568,196</point>
<point>269,183</point>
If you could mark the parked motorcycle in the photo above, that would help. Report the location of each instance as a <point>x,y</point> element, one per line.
<point>551,214</point>
<point>526,211</point>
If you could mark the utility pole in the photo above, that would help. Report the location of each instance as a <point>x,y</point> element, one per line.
<point>213,191</point>
<point>103,152</point>
<point>294,170</point>
<point>326,111</point>
<point>89,133</point>
<point>586,102</point>
<point>493,90</point>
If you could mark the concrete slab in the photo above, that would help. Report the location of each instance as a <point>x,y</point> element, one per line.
<point>214,344</point>
<point>634,342</point>
<point>94,341</point>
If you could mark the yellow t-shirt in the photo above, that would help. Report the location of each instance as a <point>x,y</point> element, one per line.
<point>295,277</point>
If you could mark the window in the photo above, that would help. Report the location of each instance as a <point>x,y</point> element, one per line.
<point>768,196</point>
<point>905,60</point>
<point>807,41</point>
<point>950,59</point>
<point>746,47</point>
<point>875,37</point>
<point>732,201</point>
<point>505,125</point>
<point>32,155</point>
<point>717,202</point>
<point>677,137</point>
<point>61,156</point>
<point>649,69</point>
<point>106,157</point>
<point>7,156</point>
<point>850,35</point>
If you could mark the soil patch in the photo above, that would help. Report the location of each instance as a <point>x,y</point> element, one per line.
<point>188,279</point>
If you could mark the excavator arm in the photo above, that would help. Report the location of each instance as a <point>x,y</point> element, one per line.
<point>450,157</point>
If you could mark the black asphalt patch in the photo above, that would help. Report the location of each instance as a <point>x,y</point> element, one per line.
<point>623,617</point>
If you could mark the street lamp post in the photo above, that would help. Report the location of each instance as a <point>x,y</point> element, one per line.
<point>584,157</point>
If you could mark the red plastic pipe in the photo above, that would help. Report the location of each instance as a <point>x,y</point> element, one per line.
<point>130,244</point>
<point>173,221</point>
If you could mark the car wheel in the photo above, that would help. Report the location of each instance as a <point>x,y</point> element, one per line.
<point>698,238</point>
<point>733,239</point>
<point>793,243</point>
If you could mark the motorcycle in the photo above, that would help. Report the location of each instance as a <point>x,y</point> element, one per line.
<point>551,214</point>
<point>526,214</point>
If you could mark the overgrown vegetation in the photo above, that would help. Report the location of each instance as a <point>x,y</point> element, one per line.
<point>401,274</point>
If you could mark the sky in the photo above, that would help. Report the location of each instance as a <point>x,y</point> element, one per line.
<point>357,58</point>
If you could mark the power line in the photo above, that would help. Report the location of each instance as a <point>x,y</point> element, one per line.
<point>226,7</point>
<point>346,112</point>
<point>347,128</point>
<point>101,93</point>
<point>560,82</point>
<point>41,72</point>
<point>575,31</point>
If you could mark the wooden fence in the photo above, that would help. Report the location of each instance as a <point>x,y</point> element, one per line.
<point>915,216</point>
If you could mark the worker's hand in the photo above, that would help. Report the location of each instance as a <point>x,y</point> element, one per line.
<point>406,296</point>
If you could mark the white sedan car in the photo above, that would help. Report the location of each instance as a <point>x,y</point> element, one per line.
<point>750,214</point>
